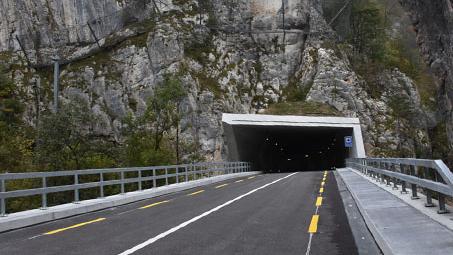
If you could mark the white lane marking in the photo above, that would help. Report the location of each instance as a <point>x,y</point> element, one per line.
<point>36,236</point>
<point>174,229</point>
<point>309,244</point>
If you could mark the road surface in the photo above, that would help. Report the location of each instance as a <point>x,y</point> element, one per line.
<point>263,214</point>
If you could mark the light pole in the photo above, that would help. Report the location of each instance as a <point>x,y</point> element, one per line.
<point>56,79</point>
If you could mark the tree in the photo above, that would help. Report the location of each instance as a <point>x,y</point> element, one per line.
<point>15,145</point>
<point>368,33</point>
<point>67,139</point>
<point>163,108</point>
<point>147,138</point>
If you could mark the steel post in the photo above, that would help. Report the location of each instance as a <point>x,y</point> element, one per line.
<point>76,190</point>
<point>154,178</point>
<point>194,169</point>
<point>122,182</point>
<point>414,191</point>
<point>139,180</point>
<point>56,80</point>
<point>44,194</point>
<point>101,185</point>
<point>166,176</point>
<point>2,200</point>
<point>429,199</point>
<point>442,208</point>
<point>395,184</point>
<point>403,187</point>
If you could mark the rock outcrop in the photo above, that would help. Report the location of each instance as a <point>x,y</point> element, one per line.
<point>433,23</point>
<point>232,56</point>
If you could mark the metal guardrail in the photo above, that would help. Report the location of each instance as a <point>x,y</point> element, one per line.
<point>431,175</point>
<point>177,173</point>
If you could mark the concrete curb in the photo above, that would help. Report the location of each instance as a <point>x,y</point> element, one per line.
<point>37,216</point>
<point>378,237</point>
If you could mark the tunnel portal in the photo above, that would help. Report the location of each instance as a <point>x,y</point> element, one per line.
<point>291,143</point>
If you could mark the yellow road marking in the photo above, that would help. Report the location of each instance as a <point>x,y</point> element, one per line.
<point>239,181</point>
<point>319,201</point>
<point>74,226</point>
<point>196,192</point>
<point>151,205</point>
<point>321,190</point>
<point>220,186</point>
<point>322,184</point>
<point>251,177</point>
<point>313,224</point>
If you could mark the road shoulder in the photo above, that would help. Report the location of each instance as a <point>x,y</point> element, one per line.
<point>362,236</point>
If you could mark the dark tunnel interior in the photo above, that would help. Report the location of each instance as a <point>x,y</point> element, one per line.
<point>289,149</point>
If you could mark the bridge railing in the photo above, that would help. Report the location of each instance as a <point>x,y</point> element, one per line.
<point>83,179</point>
<point>433,176</point>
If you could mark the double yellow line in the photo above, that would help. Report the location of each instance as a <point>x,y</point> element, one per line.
<point>313,228</point>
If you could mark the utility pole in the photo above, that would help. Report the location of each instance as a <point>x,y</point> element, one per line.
<point>283,22</point>
<point>56,80</point>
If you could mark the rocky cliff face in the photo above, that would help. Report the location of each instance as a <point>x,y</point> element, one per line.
<point>232,56</point>
<point>433,23</point>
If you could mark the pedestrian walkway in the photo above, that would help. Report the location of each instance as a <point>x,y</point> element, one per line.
<point>397,227</point>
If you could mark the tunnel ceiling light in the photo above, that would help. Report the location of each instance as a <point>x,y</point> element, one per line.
<point>289,159</point>
<point>306,155</point>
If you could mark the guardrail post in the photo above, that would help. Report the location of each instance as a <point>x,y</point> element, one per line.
<point>395,184</point>
<point>387,180</point>
<point>140,180</point>
<point>154,178</point>
<point>429,199</point>
<point>44,195</point>
<point>186,174</point>
<point>177,174</point>
<point>194,169</point>
<point>2,201</point>
<point>403,187</point>
<point>414,191</point>
<point>101,185</point>
<point>76,190</point>
<point>442,209</point>
<point>122,182</point>
<point>166,176</point>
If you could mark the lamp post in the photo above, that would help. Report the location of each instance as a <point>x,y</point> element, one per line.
<point>56,79</point>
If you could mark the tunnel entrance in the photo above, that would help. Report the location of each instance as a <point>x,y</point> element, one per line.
<point>291,143</point>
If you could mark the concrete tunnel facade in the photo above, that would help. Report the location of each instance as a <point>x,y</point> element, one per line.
<point>291,143</point>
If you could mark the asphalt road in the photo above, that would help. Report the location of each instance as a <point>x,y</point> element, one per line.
<point>264,214</point>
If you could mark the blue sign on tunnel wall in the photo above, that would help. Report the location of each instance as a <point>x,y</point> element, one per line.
<point>348,141</point>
